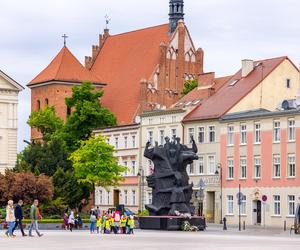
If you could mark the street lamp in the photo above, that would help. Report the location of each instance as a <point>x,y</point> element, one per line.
<point>200,196</point>
<point>141,175</point>
<point>219,172</point>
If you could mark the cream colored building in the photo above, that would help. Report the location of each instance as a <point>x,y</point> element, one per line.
<point>126,141</point>
<point>9,91</point>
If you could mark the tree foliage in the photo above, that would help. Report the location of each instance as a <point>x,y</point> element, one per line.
<point>88,114</point>
<point>45,121</point>
<point>189,86</point>
<point>44,158</point>
<point>25,186</point>
<point>94,163</point>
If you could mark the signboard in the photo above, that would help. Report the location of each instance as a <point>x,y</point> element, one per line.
<point>264,198</point>
<point>239,197</point>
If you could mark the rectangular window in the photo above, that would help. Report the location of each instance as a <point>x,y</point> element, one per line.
<point>150,137</point>
<point>243,134</point>
<point>125,197</point>
<point>276,204</point>
<point>276,131</point>
<point>288,83</point>
<point>211,133</point>
<point>161,137</point>
<point>108,197</point>
<point>201,133</point>
<point>291,165</point>
<point>243,205</point>
<point>125,142</point>
<point>133,197</point>
<point>257,133</point>
<point>133,167</point>
<point>230,132</point>
<point>173,133</point>
<point>257,168</point>
<point>276,166</point>
<point>191,132</point>
<point>150,121</point>
<point>116,142</point>
<point>291,205</point>
<point>133,141</point>
<point>291,129</point>
<point>201,165</point>
<point>101,197</point>
<point>230,204</point>
<point>150,197</point>
<point>230,169</point>
<point>191,168</point>
<point>107,140</point>
<point>243,168</point>
<point>211,164</point>
<point>125,165</point>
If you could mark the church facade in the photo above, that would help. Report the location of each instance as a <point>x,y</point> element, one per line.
<point>9,91</point>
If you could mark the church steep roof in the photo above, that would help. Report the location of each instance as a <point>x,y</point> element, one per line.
<point>66,68</point>
<point>122,62</point>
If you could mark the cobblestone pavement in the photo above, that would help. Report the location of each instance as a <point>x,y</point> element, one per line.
<point>212,239</point>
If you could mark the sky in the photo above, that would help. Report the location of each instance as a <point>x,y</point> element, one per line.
<point>227,30</point>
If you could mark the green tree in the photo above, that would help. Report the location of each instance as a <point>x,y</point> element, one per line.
<point>46,121</point>
<point>88,114</point>
<point>189,86</point>
<point>44,158</point>
<point>94,163</point>
<point>67,189</point>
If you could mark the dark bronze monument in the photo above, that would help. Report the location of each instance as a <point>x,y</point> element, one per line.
<point>171,190</point>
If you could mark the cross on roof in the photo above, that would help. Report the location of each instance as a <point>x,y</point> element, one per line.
<point>65,39</point>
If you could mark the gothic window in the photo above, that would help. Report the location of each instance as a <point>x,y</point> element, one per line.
<point>46,101</point>
<point>68,111</point>
<point>38,106</point>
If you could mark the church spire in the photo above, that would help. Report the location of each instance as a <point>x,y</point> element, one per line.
<point>176,14</point>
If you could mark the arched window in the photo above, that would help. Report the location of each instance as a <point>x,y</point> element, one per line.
<point>68,111</point>
<point>38,105</point>
<point>46,101</point>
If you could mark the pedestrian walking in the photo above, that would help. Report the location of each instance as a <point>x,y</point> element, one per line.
<point>117,217</point>
<point>10,218</point>
<point>123,224</point>
<point>99,223</point>
<point>19,217</point>
<point>130,224</point>
<point>79,221</point>
<point>34,216</point>
<point>66,223</point>
<point>93,222</point>
<point>71,221</point>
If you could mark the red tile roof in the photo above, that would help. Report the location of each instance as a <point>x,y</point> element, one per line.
<point>65,67</point>
<point>227,96</point>
<point>122,62</point>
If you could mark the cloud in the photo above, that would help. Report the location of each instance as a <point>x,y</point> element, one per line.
<point>227,30</point>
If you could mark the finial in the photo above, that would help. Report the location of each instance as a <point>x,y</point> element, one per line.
<point>107,20</point>
<point>65,39</point>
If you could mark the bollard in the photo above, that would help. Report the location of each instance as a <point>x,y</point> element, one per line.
<point>284,225</point>
<point>244,225</point>
<point>224,224</point>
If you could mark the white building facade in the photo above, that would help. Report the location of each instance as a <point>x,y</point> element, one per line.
<point>9,91</point>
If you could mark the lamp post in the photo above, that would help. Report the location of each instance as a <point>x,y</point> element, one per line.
<point>141,175</point>
<point>200,196</point>
<point>219,172</point>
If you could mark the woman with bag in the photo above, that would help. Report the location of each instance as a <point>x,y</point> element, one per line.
<point>10,218</point>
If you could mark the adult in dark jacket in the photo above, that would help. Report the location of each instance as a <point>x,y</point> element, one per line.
<point>19,217</point>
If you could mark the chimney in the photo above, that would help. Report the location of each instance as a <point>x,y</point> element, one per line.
<point>247,67</point>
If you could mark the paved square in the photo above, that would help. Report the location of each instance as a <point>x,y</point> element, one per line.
<point>147,240</point>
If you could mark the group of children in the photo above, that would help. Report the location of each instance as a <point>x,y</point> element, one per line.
<point>108,223</point>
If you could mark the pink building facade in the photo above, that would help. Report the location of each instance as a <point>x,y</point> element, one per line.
<point>260,151</point>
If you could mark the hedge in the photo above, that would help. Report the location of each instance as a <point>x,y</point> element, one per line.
<point>48,221</point>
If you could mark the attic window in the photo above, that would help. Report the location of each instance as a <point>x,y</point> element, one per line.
<point>233,83</point>
<point>288,83</point>
<point>258,64</point>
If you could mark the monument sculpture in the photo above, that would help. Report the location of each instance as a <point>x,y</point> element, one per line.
<point>171,191</point>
